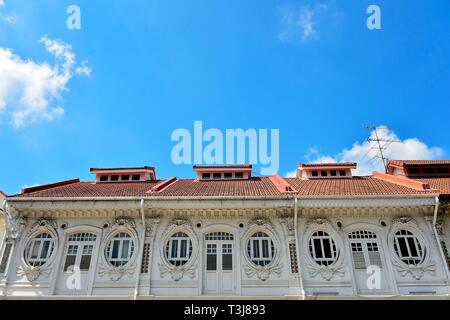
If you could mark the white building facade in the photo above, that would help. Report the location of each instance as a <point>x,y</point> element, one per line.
<point>222,234</point>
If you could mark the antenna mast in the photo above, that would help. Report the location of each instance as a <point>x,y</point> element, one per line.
<point>381,144</point>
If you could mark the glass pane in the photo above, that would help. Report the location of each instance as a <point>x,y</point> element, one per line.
<point>327,248</point>
<point>403,247</point>
<point>265,247</point>
<point>35,249</point>
<point>255,249</point>
<point>183,248</point>
<point>70,261</point>
<point>412,247</point>
<point>211,262</point>
<point>173,253</point>
<point>115,250</point>
<point>125,247</point>
<point>45,247</point>
<point>318,248</point>
<point>85,262</point>
<point>227,262</point>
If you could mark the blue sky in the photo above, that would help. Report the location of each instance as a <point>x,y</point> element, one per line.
<point>311,69</point>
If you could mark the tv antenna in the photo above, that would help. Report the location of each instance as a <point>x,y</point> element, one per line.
<point>381,143</point>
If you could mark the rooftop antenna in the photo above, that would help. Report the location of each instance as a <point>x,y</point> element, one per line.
<point>381,144</point>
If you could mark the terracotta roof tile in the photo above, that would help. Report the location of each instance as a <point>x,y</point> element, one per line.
<point>403,163</point>
<point>253,187</point>
<point>349,186</point>
<point>440,184</point>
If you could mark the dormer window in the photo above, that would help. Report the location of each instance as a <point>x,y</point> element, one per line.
<point>428,170</point>
<point>442,170</point>
<point>124,174</point>
<point>325,170</point>
<point>414,171</point>
<point>223,172</point>
<point>206,176</point>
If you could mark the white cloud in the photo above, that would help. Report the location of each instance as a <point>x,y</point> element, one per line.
<point>29,90</point>
<point>301,25</point>
<point>366,155</point>
<point>2,3</point>
<point>10,18</point>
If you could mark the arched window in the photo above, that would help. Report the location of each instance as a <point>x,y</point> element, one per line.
<point>260,249</point>
<point>120,249</point>
<point>323,248</point>
<point>179,249</point>
<point>39,250</point>
<point>408,247</point>
<point>80,247</point>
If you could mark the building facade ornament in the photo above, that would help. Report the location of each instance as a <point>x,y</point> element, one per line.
<point>14,227</point>
<point>119,225</point>
<point>32,273</point>
<point>416,271</point>
<point>263,273</point>
<point>189,268</point>
<point>327,272</point>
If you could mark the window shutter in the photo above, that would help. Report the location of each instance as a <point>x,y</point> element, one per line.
<point>375,258</point>
<point>358,260</point>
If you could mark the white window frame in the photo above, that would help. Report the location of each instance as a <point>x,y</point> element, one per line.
<point>419,247</point>
<point>260,237</point>
<point>323,261</point>
<point>39,240</point>
<point>178,260</point>
<point>120,261</point>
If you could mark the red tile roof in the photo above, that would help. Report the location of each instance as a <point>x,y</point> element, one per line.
<point>92,189</point>
<point>252,187</point>
<point>328,164</point>
<point>230,166</point>
<point>440,184</point>
<point>403,163</point>
<point>116,169</point>
<point>349,186</point>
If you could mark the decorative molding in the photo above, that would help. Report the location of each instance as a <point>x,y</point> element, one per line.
<point>43,225</point>
<point>178,224</point>
<point>15,226</point>
<point>118,225</point>
<point>262,272</point>
<point>289,226</point>
<point>116,273</point>
<point>326,272</point>
<point>337,268</point>
<point>426,265</point>
<point>416,271</point>
<point>32,273</point>
<point>261,224</point>
<point>150,227</point>
<point>177,272</point>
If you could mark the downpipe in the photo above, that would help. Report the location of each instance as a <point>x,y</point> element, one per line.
<point>300,278</point>
<point>436,236</point>
<point>136,289</point>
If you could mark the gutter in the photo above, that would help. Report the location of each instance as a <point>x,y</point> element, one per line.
<point>436,235</point>
<point>136,289</point>
<point>288,196</point>
<point>300,278</point>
